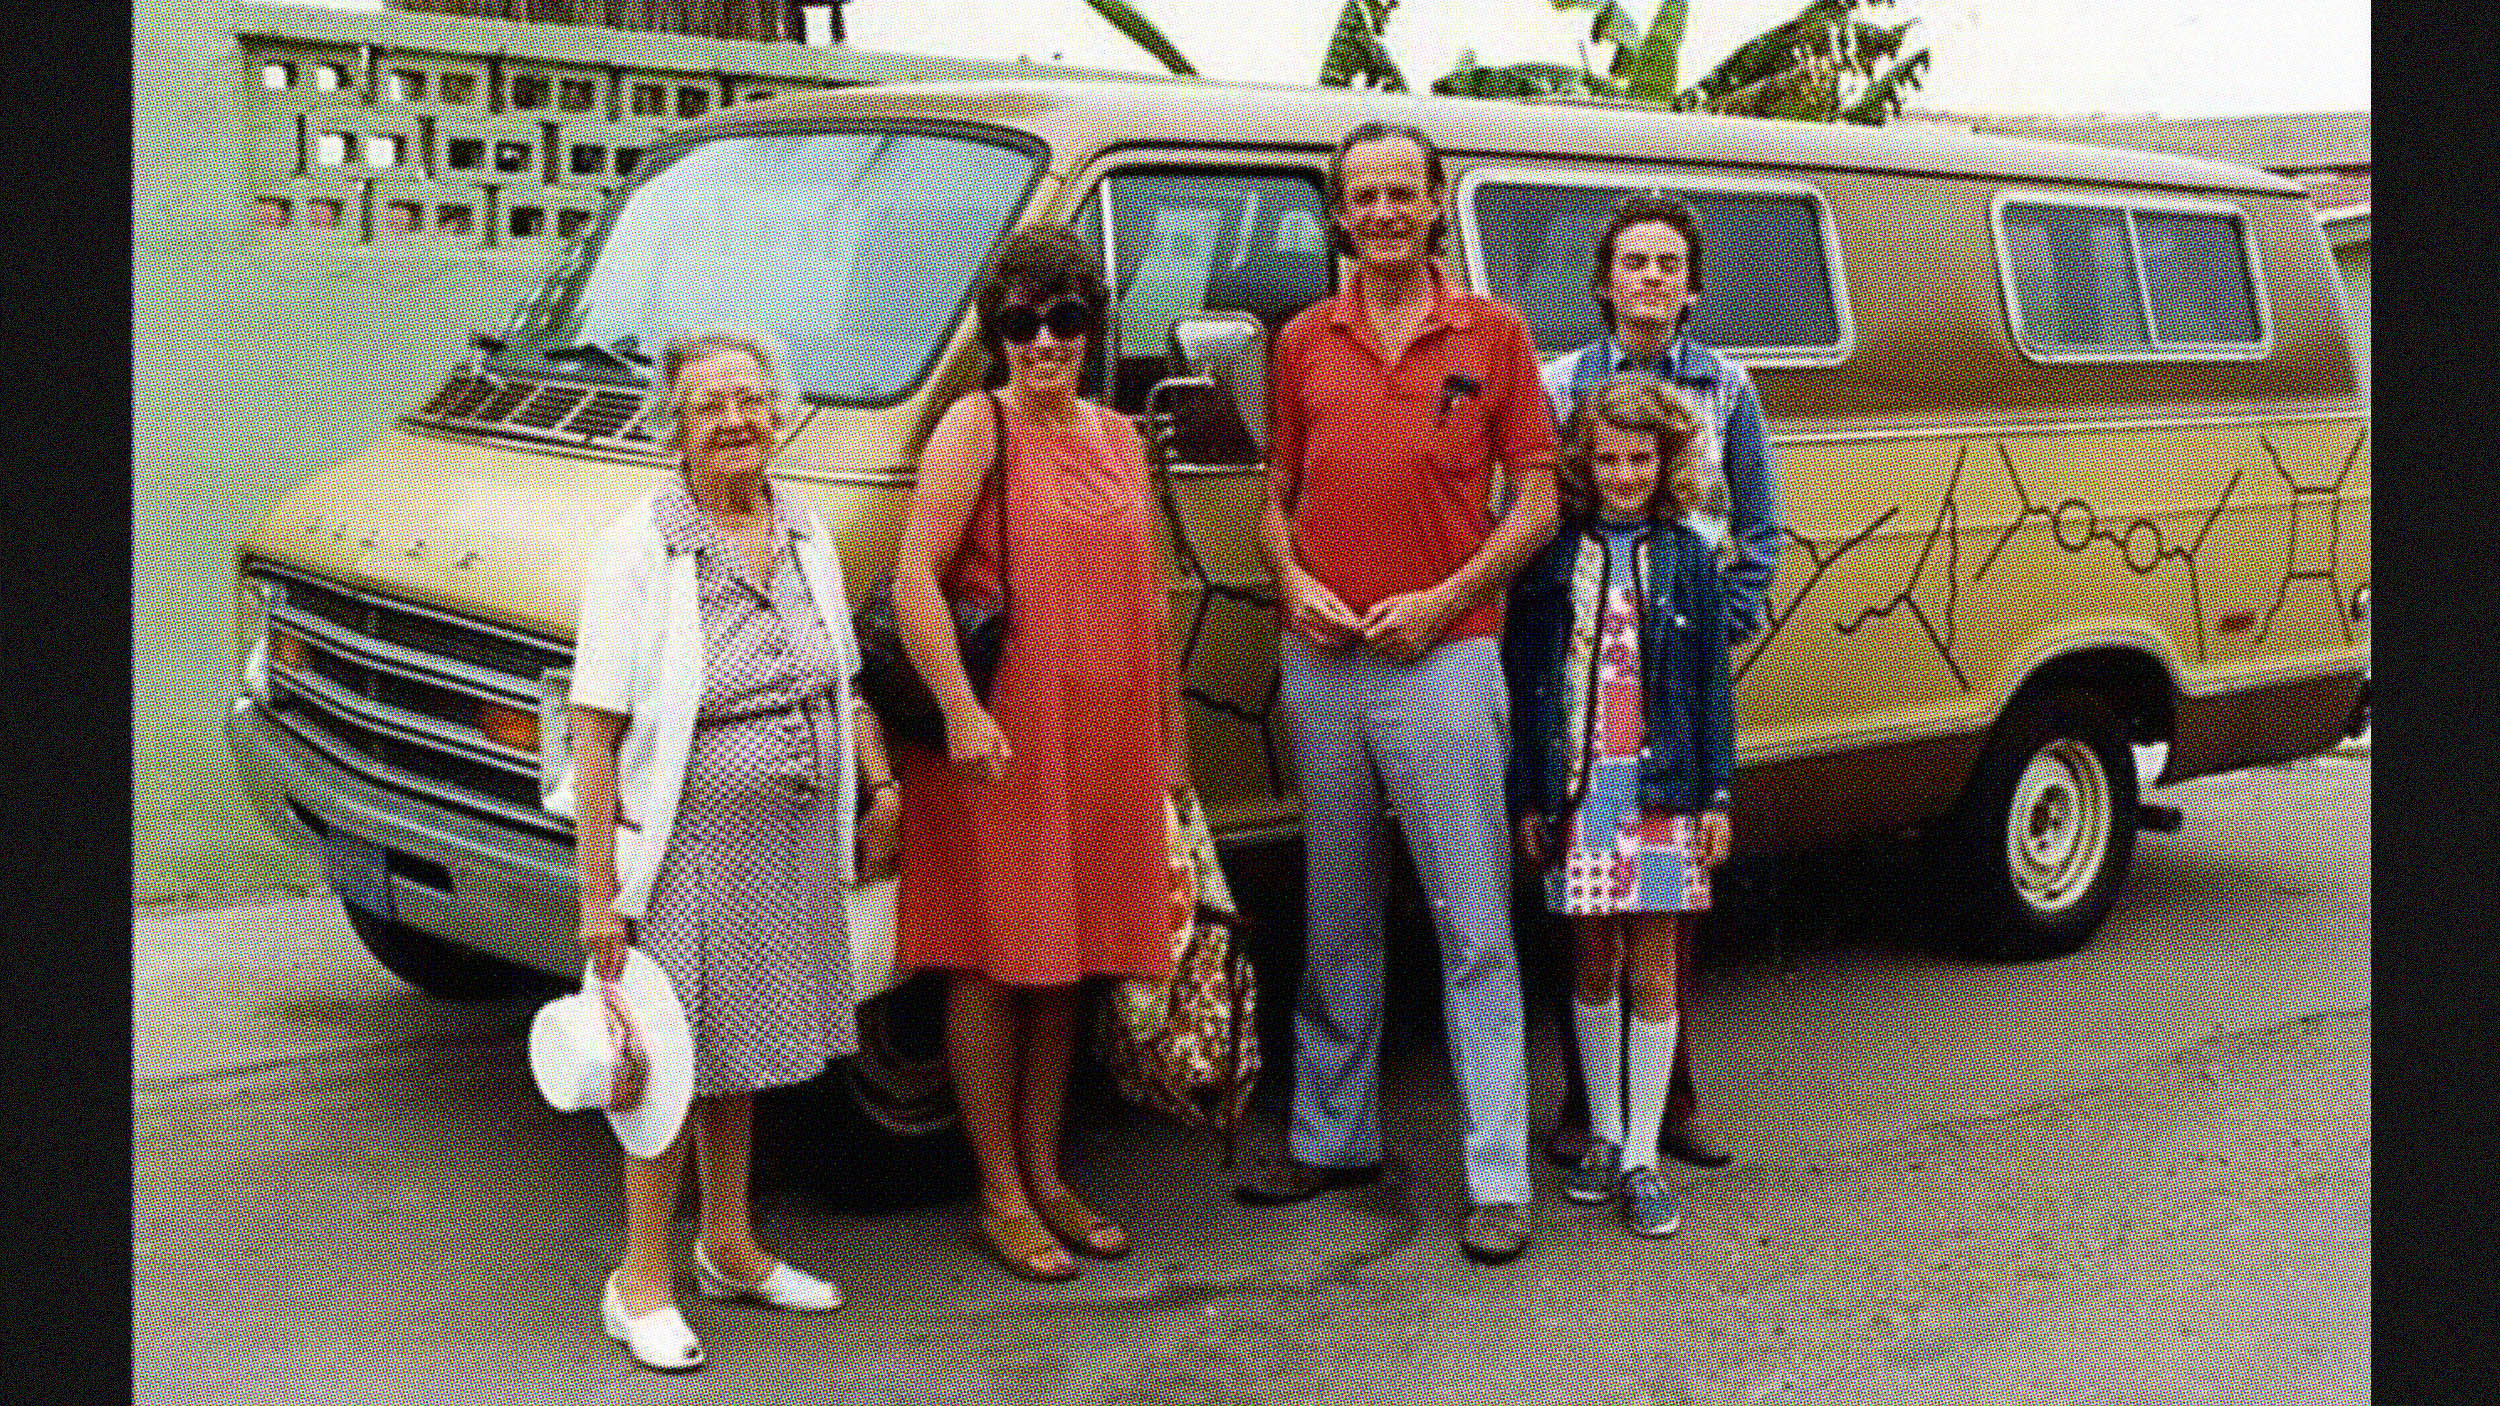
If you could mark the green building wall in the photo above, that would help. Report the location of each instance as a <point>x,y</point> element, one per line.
<point>261,356</point>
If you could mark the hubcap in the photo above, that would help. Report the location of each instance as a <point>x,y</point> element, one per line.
<point>2057,829</point>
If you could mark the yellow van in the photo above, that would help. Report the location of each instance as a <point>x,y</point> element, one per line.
<point>2070,451</point>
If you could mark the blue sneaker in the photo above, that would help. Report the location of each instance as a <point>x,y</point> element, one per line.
<point>1593,1181</point>
<point>1648,1207</point>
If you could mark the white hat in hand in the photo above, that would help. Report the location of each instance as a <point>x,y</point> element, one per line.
<point>585,1053</point>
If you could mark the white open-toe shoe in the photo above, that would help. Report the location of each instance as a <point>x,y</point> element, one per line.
<point>781,1287</point>
<point>659,1340</point>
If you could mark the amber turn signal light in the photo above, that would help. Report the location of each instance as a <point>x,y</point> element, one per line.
<point>513,727</point>
<point>290,650</point>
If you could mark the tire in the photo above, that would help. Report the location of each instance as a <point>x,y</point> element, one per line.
<point>878,1130</point>
<point>439,967</point>
<point>2042,836</point>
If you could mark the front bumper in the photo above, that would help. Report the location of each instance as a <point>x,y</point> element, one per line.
<point>481,885</point>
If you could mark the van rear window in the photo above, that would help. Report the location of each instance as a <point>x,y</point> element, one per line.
<point>2110,281</point>
<point>1767,261</point>
<point>857,248</point>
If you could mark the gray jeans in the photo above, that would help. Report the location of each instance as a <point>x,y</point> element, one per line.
<point>1436,732</point>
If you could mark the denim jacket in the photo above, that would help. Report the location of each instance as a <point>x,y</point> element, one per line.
<point>1738,454</point>
<point>1688,716</point>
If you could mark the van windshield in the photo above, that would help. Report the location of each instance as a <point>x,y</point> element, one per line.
<point>857,248</point>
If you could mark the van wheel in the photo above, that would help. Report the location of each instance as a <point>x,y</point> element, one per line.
<point>2044,831</point>
<point>439,967</point>
<point>877,1130</point>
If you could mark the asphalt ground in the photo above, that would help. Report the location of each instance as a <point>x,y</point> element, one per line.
<point>2139,1173</point>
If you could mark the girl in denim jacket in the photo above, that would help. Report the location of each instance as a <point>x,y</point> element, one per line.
<point>1616,650</point>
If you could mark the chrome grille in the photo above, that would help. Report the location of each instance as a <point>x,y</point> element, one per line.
<point>573,413</point>
<point>391,691</point>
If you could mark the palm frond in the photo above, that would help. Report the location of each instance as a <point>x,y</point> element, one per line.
<point>1517,80</point>
<point>1141,31</point>
<point>1357,54</point>
<point>1609,22</point>
<point>1647,70</point>
<point>1805,66</point>
<point>1884,97</point>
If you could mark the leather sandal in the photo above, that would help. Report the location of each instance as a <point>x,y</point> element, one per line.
<point>1023,1247</point>
<point>1079,1224</point>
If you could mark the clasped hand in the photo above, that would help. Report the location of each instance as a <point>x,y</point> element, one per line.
<point>1401,627</point>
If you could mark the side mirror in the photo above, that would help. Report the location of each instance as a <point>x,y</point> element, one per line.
<point>1214,410</point>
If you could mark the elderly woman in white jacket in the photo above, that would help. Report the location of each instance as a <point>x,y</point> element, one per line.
<point>718,759</point>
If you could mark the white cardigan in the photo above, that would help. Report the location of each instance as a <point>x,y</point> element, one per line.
<point>638,651</point>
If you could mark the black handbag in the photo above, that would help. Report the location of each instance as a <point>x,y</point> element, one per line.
<point>892,688</point>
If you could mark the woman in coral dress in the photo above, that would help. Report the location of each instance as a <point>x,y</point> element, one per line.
<point>1034,853</point>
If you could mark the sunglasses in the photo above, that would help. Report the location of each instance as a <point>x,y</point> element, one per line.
<point>1019,323</point>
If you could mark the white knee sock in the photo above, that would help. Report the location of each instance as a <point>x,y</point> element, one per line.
<point>1651,1057</point>
<point>1599,1029</point>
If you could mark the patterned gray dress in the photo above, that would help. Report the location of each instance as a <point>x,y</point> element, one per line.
<point>746,916</point>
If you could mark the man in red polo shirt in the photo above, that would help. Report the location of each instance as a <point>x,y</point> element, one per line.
<point>1391,406</point>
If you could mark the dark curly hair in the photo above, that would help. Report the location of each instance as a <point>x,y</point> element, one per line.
<point>1036,264</point>
<point>1335,180</point>
<point>1641,208</point>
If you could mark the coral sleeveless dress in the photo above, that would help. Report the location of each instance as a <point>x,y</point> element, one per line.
<point>1058,871</point>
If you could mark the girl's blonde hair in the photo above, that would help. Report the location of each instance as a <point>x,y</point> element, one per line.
<point>1636,402</point>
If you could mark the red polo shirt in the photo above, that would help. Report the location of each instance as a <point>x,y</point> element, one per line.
<point>1386,467</point>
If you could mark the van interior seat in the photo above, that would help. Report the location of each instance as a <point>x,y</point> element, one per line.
<point>1271,287</point>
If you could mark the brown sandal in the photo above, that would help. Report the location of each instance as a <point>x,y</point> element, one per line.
<point>1023,1247</point>
<point>1077,1224</point>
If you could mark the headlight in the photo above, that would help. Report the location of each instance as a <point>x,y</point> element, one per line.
<point>253,600</point>
<point>555,733</point>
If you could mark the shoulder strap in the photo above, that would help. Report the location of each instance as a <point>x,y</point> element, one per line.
<point>995,480</point>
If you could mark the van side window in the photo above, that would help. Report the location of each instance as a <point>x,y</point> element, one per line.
<point>1766,260</point>
<point>1184,241</point>
<point>2106,280</point>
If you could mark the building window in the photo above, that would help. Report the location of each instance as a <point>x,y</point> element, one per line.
<point>511,158</point>
<point>458,87</point>
<point>407,85</point>
<point>527,222</point>
<point>324,214</point>
<point>277,77</point>
<point>571,222</point>
<point>454,219</point>
<point>650,100</point>
<point>402,217</point>
<point>269,212</point>
<point>529,91</point>
<point>587,159</point>
<point>332,148</point>
<point>2094,280</point>
<point>626,156</point>
<point>577,95</point>
<point>384,150</point>
<point>464,153</point>
<point>329,77</point>
<point>693,102</point>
